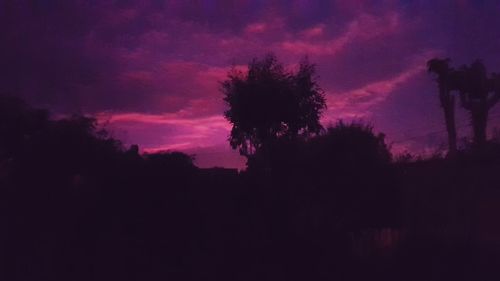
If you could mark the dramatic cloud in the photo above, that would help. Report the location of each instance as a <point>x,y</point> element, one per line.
<point>151,69</point>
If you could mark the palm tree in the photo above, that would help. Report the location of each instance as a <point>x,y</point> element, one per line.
<point>475,97</point>
<point>447,82</point>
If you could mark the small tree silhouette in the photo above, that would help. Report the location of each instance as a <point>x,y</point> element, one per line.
<point>350,146</point>
<point>448,80</point>
<point>269,102</point>
<point>474,88</point>
<point>18,124</point>
<point>476,97</point>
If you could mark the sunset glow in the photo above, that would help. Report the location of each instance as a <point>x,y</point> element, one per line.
<point>150,72</point>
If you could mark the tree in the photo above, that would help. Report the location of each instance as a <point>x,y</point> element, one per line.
<point>269,102</point>
<point>171,160</point>
<point>346,147</point>
<point>447,82</point>
<point>19,123</point>
<point>474,88</point>
<point>475,97</point>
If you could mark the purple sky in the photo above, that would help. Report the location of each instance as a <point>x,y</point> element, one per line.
<point>150,69</point>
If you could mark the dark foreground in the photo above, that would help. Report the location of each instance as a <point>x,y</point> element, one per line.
<point>76,205</point>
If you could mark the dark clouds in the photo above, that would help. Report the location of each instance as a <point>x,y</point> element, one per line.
<point>154,65</point>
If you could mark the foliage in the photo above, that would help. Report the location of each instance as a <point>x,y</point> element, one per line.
<point>18,124</point>
<point>351,145</point>
<point>171,160</point>
<point>347,147</point>
<point>269,102</point>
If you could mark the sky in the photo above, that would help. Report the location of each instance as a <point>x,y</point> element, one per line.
<point>150,70</point>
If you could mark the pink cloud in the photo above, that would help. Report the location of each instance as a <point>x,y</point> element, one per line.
<point>205,137</point>
<point>258,27</point>
<point>167,119</point>
<point>313,32</point>
<point>362,28</point>
<point>357,103</point>
<point>179,132</point>
<point>303,47</point>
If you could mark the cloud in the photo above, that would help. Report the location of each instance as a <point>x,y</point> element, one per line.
<point>316,31</point>
<point>364,27</point>
<point>360,102</point>
<point>178,131</point>
<point>156,64</point>
<point>257,27</point>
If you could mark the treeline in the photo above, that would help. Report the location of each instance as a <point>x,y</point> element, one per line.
<point>77,205</point>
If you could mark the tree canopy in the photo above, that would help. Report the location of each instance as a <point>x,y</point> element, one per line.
<point>268,102</point>
<point>342,147</point>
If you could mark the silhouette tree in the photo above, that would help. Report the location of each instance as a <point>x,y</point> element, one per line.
<point>269,102</point>
<point>447,80</point>
<point>475,97</point>
<point>349,147</point>
<point>19,123</point>
<point>474,88</point>
<point>177,161</point>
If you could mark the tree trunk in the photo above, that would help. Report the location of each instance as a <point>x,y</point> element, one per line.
<point>448,104</point>
<point>479,114</point>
